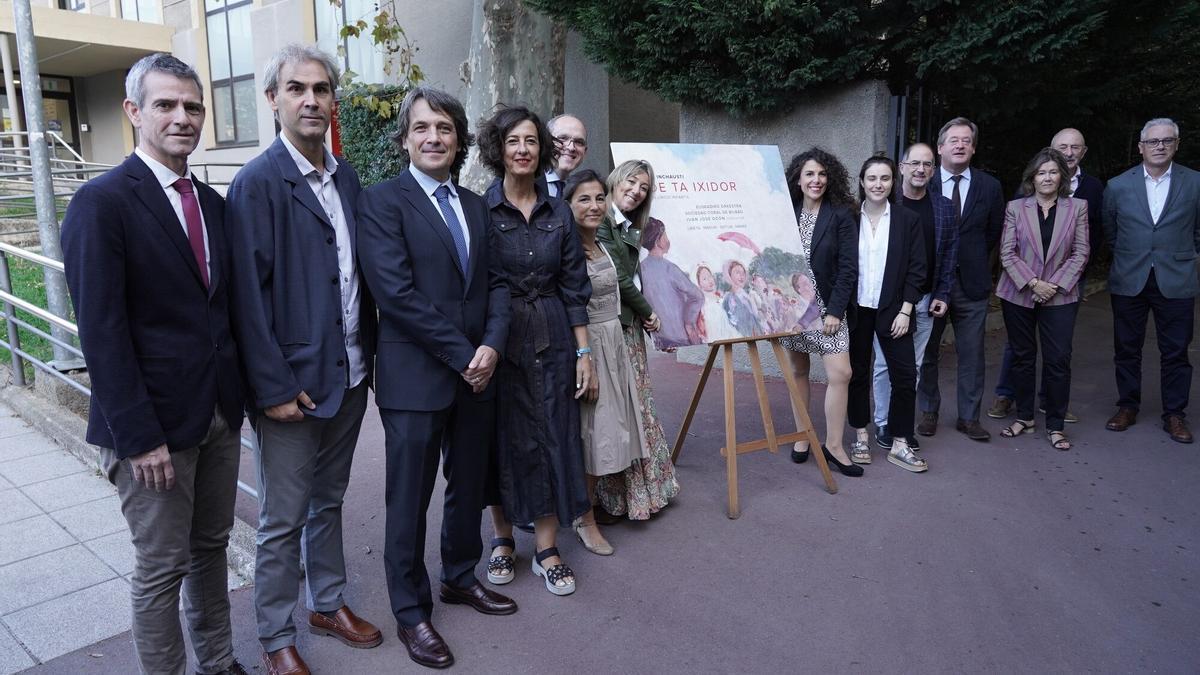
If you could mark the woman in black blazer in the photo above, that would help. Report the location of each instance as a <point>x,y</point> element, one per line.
<point>820,190</point>
<point>891,269</point>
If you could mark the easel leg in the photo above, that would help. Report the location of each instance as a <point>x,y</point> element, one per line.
<point>730,435</point>
<point>691,411</point>
<point>814,443</point>
<point>764,404</point>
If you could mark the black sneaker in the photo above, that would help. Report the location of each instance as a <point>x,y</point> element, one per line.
<point>914,444</point>
<point>883,439</point>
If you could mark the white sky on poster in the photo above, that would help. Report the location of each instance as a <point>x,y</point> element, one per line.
<point>747,178</point>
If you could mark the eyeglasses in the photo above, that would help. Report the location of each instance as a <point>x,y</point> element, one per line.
<point>919,165</point>
<point>568,140</point>
<point>1157,142</point>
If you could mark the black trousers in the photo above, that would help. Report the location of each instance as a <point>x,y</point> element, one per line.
<point>1053,327</point>
<point>1174,322</point>
<point>902,372</point>
<point>415,441</point>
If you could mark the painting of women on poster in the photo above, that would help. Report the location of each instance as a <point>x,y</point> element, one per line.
<point>721,249</point>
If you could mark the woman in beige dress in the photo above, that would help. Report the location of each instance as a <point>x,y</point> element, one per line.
<point>610,422</point>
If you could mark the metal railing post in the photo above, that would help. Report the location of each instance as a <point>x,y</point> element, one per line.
<point>14,338</point>
<point>43,185</point>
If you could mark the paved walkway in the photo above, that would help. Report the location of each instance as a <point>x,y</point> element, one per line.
<point>64,551</point>
<point>1006,556</point>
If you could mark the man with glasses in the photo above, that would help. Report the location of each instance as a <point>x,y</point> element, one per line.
<point>570,147</point>
<point>1152,220</point>
<point>936,215</point>
<point>1083,186</point>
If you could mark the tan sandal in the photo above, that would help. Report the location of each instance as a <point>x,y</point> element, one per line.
<point>1017,428</point>
<point>1058,439</point>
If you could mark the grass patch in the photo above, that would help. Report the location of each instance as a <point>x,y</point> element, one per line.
<point>29,285</point>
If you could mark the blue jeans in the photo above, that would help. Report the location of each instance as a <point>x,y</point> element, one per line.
<point>882,384</point>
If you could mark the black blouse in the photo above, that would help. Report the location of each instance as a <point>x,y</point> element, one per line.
<point>1046,222</point>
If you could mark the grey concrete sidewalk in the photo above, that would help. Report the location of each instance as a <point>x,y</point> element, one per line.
<point>64,551</point>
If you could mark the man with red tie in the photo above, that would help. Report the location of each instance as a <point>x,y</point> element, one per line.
<point>147,265</point>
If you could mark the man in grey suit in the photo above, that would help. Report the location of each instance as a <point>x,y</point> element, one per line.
<point>308,325</point>
<point>1152,219</point>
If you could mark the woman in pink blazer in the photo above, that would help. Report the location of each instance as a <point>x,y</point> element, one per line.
<point>1043,250</point>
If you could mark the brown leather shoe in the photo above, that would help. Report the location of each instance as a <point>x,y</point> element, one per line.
<point>425,646</point>
<point>483,600</point>
<point>284,661</point>
<point>928,425</point>
<point>1178,429</point>
<point>347,627</point>
<point>1125,418</point>
<point>973,429</point>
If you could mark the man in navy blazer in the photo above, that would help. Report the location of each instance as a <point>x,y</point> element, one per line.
<point>980,204</point>
<point>147,264</point>
<point>443,321</point>
<point>306,325</point>
<point>1152,221</point>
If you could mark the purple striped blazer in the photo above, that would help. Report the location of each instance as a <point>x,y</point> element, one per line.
<point>1021,251</point>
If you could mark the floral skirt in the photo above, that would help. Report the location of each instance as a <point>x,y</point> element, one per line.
<point>648,484</point>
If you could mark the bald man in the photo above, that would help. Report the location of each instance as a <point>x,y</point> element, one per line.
<point>1088,188</point>
<point>570,148</point>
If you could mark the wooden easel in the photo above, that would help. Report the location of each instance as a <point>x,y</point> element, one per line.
<point>772,441</point>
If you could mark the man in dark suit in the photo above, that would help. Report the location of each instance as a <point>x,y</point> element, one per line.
<point>147,263</point>
<point>978,201</point>
<point>1152,221</point>
<point>1088,188</point>
<point>306,326</point>
<point>443,320</point>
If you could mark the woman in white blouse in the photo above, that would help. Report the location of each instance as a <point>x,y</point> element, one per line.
<point>891,269</point>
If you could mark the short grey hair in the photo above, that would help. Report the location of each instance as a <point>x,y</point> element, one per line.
<point>554,121</point>
<point>1159,122</point>
<point>298,53</point>
<point>135,81</point>
<point>959,122</point>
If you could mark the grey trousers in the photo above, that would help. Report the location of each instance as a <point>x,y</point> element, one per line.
<point>303,470</point>
<point>969,318</point>
<point>179,538</point>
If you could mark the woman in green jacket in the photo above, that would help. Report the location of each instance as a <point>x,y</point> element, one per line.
<point>646,486</point>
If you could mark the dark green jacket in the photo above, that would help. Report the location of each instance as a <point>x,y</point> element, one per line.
<point>624,247</point>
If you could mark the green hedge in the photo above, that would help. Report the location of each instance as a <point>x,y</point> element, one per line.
<point>366,122</point>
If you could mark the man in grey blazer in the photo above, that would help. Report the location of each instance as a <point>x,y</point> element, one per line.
<point>1152,219</point>
<point>308,322</point>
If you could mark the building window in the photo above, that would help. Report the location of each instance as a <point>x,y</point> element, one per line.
<point>72,5</point>
<point>361,55</point>
<point>140,10</point>
<point>231,61</point>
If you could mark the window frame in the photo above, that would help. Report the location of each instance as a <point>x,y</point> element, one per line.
<point>230,81</point>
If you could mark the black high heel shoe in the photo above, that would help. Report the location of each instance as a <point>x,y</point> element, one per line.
<point>852,470</point>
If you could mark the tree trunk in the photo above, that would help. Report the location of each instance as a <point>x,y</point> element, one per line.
<point>517,57</point>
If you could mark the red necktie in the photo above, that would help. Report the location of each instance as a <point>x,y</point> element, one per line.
<point>195,226</point>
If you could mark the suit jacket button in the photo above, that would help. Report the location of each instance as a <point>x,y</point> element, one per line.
<point>339,322</point>
<point>333,280</point>
<point>341,363</point>
<point>329,240</point>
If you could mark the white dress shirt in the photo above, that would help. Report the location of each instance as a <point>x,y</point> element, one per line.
<point>964,186</point>
<point>326,192</point>
<point>1075,179</point>
<point>429,185</point>
<point>1157,190</point>
<point>166,178</point>
<point>554,190</point>
<point>872,256</point>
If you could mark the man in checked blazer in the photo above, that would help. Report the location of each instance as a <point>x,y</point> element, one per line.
<point>1152,221</point>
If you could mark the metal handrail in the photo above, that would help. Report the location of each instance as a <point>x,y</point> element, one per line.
<point>19,356</point>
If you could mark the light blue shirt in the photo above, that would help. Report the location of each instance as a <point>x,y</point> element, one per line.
<point>429,185</point>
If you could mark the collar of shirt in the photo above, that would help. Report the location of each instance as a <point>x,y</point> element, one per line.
<point>306,168</point>
<point>887,212</point>
<point>947,176</point>
<point>551,175</point>
<point>430,184</point>
<point>166,177</point>
<point>620,219</point>
<point>1146,174</point>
